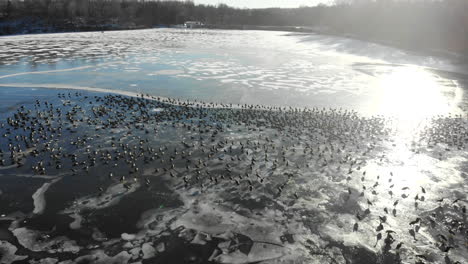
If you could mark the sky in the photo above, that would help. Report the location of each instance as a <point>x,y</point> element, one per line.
<point>264,3</point>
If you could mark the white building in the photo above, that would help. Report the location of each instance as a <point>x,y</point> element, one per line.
<point>193,24</point>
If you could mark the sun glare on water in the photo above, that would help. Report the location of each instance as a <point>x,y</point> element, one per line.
<point>413,95</point>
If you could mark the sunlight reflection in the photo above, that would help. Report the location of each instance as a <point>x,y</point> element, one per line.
<point>412,95</point>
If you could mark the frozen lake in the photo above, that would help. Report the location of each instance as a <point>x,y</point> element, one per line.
<point>372,168</point>
<point>239,67</point>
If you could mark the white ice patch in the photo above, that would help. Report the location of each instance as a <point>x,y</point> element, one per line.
<point>128,237</point>
<point>39,197</point>
<point>135,252</point>
<point>99,257</point>
<point>161,247</point>
<point>166,72</point>
<point>76,224</point>
<point>110,197</point>
<point>44,261</point>
<point>35,241</point>
<point>259,252</point>
<point>155,110</point>
<point>7,253</point>
<point>148,250</point>
<point>154,221</point>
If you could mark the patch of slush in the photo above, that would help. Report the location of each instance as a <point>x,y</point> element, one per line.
<point>39,242</point>
<point>166,72</point>
<point>100,257</point>
<point>7,253</point>
<point>39,197</point>
<point>110,197</point>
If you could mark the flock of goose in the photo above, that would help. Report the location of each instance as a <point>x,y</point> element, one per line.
<point>142,140</point>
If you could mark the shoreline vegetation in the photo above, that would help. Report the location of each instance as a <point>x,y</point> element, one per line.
<point>437,27</point>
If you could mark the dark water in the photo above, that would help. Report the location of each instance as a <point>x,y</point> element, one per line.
<point>249,184</point>
<point>195,184</point>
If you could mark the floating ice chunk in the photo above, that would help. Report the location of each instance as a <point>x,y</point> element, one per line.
<point>7,253</point>
<point>161,247</point>
<point>154,220</point>
<point>76,224</point>
<point>34,240</point>
<point>166,72</point>
<point>155,110</point>
<point>199,239</point>
<point>132,69</point>
<point>226,235</point>
<point>128,245</point>
<point>110,197</point>
<point>135,252</point>
<point>235,257</point>
<point>39,197</point>
<point>207,220</point>
<point>259,252</point>
<point>44,261</point>
<point>224,246</point>
<point>99,257</point>
<point>337,256</point>
<point>98,235</point>
<point>148,250</point>
<point>215,253</point>
<point>128,237</point>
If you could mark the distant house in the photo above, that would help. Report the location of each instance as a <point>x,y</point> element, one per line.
<point>193,24</point>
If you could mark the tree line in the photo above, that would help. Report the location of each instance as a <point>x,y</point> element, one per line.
<point>428,24</point>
